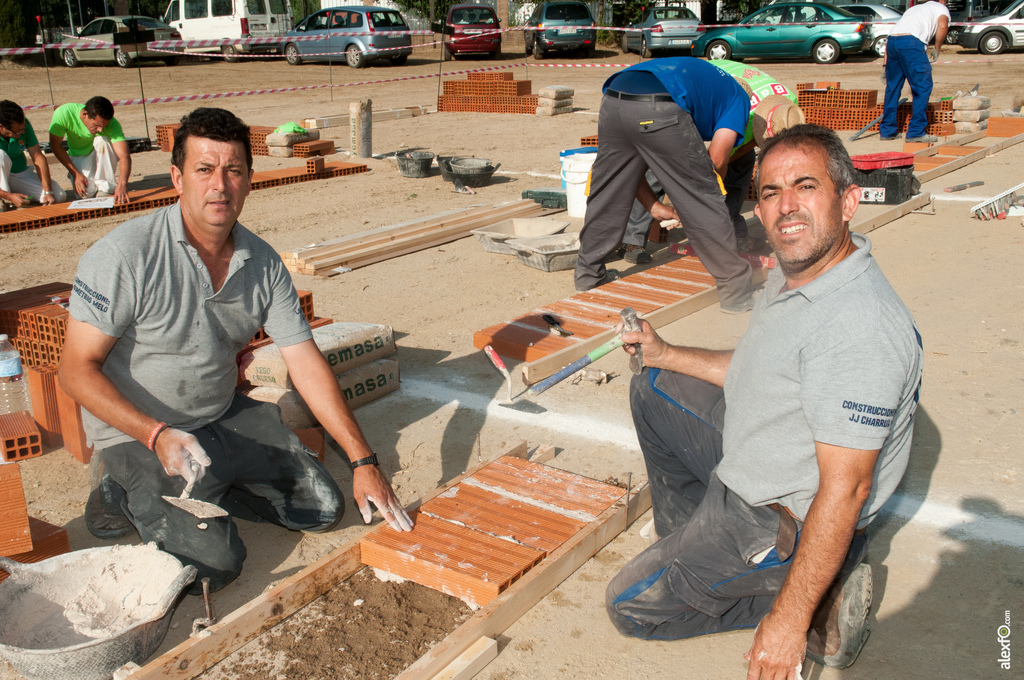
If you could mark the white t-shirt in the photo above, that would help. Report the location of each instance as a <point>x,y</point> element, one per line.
<point>921,21</point>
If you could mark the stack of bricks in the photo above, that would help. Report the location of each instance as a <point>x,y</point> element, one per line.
<point>840,109</point>
<point>258,139</point>
<point>488,93</point>
<point>165,136</point>
<point>34,323</point>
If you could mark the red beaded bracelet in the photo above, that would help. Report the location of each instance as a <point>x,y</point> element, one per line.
<point>160,427</point>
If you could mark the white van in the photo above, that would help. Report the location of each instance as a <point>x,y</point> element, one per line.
<point>214,19</point>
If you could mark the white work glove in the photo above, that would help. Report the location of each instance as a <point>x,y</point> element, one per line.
<point>180,454</point>
<point>933,54</point>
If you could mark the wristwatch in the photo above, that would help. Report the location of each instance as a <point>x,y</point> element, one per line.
<point>369,460</point>
<point>47,193</point>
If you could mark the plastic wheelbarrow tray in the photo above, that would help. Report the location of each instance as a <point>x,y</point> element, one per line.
<point>494,237</point>
<point>84,614</point>
<point>548,253</point>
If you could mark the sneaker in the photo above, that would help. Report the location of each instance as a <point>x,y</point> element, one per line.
<point>739,307</point>
<point>609,276</point>
<point>635,254</point>
<point>103,517</point>
<point>839,628</point>
<point>923,139</point>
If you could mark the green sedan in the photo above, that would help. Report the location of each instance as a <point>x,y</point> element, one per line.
<point>791,30</point>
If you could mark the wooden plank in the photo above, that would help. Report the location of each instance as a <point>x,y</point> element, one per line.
<point>946,168</point>
<point>195,655</point>
<point>388,234</point>
<point>959,141</point>
<point>507,608</point>
<point>893,213</point>
<point>471,661</point>
<point>551,364</point>
<point>639,503</point>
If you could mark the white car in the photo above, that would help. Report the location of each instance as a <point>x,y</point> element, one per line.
<point>882,18</point>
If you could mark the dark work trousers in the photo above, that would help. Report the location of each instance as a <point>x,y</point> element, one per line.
<point>906,59</point>
<point>737,184</point>
<point>639,219</point>
<point>260,471</point>
<point>701,576</point>
<point>635,136</point>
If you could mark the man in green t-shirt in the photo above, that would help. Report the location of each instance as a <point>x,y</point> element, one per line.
<point>18,184</point>
<point>97,156</point>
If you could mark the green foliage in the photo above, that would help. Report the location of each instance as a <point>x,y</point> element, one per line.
<point>422,7</point>
<point>15,29</point>
<point>738,9</point>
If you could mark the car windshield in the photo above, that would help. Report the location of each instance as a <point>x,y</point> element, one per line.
<point>566,13</point>
<point>670,13</point>
<point>143,23</point>
<point>465,17</point>
<point>387,20</point>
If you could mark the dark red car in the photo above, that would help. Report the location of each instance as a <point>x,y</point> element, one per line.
<point>468,29</point>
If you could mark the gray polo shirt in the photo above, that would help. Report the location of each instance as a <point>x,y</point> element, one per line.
<point>144,284</point>
<point>836,361</point>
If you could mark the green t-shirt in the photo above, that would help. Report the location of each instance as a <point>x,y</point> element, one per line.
<point>67,122</point>
<point>762,85</point>
<point>15,148</point>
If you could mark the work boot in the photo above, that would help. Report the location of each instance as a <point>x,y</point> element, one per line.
<point>923,139</point>
<point>635,254</point>
<point>609,276</point>
<point>839,628</point>
<point>103,515</point>
<point>739,307</point>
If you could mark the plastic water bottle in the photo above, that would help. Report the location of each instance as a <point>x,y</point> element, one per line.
<point>13,388</point>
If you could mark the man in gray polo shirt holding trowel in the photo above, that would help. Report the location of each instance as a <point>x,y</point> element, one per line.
<point>161,307</point>
<point>767,462</point>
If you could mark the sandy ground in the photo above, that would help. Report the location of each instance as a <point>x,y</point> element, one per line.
<point>947,554</point>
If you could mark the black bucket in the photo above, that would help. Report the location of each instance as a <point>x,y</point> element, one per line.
<point>415,163</point>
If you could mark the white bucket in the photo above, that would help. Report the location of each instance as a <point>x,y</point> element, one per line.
<point>575,171</point>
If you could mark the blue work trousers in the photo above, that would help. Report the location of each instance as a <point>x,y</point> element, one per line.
<point>906,61</point>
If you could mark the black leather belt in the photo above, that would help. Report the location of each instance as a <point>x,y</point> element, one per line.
<point>638,97</point>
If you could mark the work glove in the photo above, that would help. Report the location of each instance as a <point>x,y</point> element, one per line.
<point>933,54</point>
<point>180,454</point>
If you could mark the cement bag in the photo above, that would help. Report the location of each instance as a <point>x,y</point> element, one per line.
<point>360,386</point>
<point>345,345</point>
<point>292,138</point>
<point>556,92</point>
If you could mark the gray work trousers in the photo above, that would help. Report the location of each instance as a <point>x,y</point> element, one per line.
<point>701,576</point>
<point>635,136</point>
<point>736,181</point>
<point>260,471</point>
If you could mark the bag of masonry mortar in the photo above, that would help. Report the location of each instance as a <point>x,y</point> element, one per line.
<point>345,345</point>
<point>555,110</point>
<point>292,138</point>
<point>971,116</point>
<point>960,128</point>
<point>971,103</point>
<point>360,386</point>
<point>556,92</point>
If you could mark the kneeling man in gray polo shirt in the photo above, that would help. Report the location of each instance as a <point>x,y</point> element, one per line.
<point>161,307</point>
<point>767,462</point>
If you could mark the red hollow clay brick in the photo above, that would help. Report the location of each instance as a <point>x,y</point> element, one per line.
<point>42,387</point>
<point>48,541</point>
<point>15,536</point>
<point>19,437</point>
<point>70,414</point>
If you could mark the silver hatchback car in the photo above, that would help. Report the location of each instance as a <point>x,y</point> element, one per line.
<point>358,50</point>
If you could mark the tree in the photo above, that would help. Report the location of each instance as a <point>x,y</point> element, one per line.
<point>15,27</point>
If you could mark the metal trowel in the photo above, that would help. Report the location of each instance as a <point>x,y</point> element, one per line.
<point>200,509</point>
<point>525,406</point>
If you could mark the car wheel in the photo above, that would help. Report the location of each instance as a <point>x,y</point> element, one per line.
<point>826,51</point>
<point>880,46</point>
<point>645,51</point>
<point>992,43</point>
<point>624,44</point>
<point>123,59</point>
<point>291,54</point>
<point>591,52</point>
<point>354,57</point>
<point>538,51</point>
<point>719,49</point>
<point>496,55</point>
<point>171,61</point>
<point>445,53</point>
<point>400,59</point>
<point>70,60</point>
<point>230,53</point>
